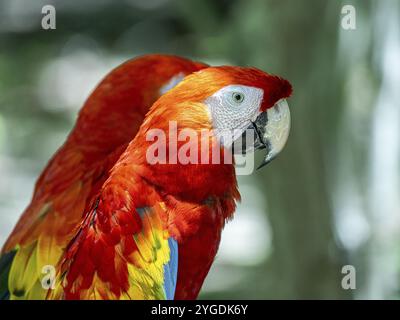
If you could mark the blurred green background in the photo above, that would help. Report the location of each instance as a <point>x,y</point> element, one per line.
<point>332,198</point>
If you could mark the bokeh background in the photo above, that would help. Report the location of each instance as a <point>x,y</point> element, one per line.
<point>332,198</point>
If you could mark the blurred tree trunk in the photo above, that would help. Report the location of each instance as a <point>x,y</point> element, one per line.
<point>307,261</point>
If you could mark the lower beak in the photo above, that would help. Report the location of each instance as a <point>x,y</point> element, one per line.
<point>271,130</point>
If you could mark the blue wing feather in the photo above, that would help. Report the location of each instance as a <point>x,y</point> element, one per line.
<point>171,270</point>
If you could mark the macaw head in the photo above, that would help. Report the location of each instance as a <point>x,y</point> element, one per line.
<point>229,101</point>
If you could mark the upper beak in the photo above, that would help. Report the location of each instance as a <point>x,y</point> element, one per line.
<point>271,130</point>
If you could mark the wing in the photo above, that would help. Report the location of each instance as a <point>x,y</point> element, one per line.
<point>129,255</point>
<point>48,224</point>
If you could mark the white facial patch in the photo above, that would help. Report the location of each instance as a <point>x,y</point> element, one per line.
<point>232,108</point>
<point>172,83</point>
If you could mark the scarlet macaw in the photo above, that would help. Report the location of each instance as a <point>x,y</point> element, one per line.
<point>150,230</point>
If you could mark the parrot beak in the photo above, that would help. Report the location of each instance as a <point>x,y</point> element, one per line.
<point>271,130</point>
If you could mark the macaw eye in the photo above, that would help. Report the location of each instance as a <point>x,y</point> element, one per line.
<point>237,97</point>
